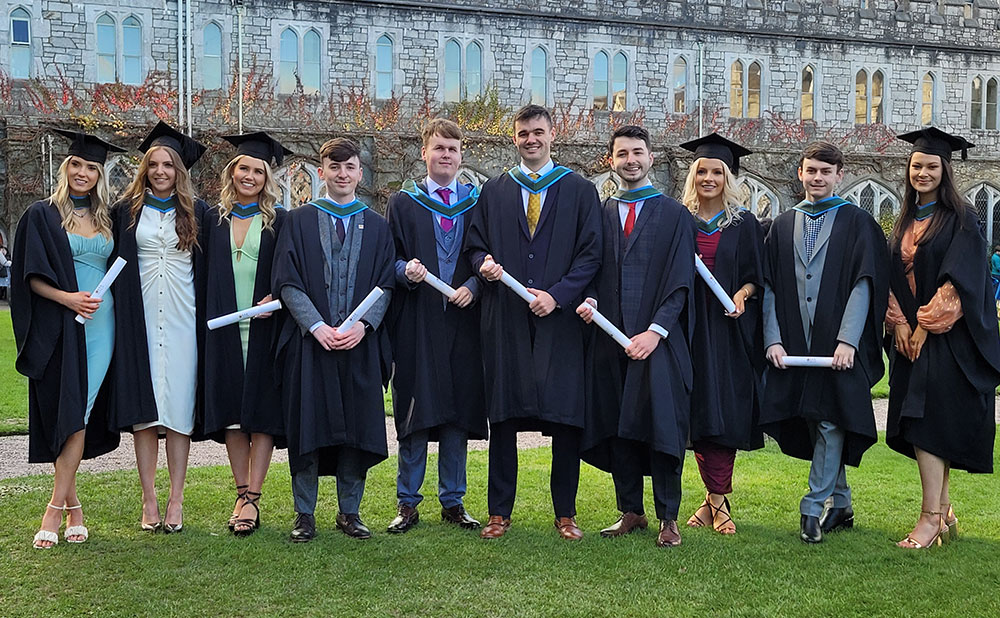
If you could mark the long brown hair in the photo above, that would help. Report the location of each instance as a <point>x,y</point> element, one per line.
<point>268,198</point>
<point>948,198</point>
<point>99,198</point>
<point>185,224</point>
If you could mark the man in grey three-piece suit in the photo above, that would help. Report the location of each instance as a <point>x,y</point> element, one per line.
<point>825,294</point>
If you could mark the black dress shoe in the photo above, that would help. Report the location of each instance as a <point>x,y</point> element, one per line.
<point>457,515</point>
<point>351,525</point>
<point>305,528</point>
<point>406,518</point>
<point>809,529</point>
<point>836,518</point>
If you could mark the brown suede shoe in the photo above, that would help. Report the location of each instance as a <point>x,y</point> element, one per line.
<point>628,522</point>
<point>495,528</point>
<point>669,535</point>
<point>568,529</point>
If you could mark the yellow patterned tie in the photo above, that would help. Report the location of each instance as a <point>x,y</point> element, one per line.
<point>534,208</point>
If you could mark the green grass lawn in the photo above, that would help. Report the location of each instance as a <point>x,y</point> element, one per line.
<point>13,386</point>
<point>438,570</point>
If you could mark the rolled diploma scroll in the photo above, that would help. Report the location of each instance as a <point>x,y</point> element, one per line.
<point>516,286</point>
<point>608,327</point>
<point>439,285</point>
<point>106,281</point>
<point>808,361</point>
<point>713,284</point>
<point>361,310</point>
<point>246,314</point>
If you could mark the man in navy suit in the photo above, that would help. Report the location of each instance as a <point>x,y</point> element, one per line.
<point>540,223</point>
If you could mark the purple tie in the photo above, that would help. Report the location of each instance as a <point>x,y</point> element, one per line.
<point>445,193</point>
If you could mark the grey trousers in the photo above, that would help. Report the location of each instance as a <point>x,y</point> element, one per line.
<point>826,474</point>
<point>350,481</point>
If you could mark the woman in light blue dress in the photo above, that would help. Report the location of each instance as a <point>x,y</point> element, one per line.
<point>61,255</point>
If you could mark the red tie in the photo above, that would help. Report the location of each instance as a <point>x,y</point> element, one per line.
<point>630,219</point>
<point>445,193</point>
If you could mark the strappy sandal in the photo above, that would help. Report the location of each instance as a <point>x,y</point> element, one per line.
<point>80,530</point>
<point>241,494</point>
<point>695,521</point>
<point>48,536</point>
<point>911,543</point>
<point>249,526</point>
<point>716,511</point>
<point>951,521</point>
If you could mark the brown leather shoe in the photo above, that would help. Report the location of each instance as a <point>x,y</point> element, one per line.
<point>457,515</point>
<point>568,529</point>
<point>495,528</point>
<point>628,522</point>
<point>406,517</point>
<point>669,535</point>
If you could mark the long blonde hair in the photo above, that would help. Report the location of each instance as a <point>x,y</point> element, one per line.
<point>730,194</point>
<point>100,196</point>
<point>185,224</point>
<point>267,200</point>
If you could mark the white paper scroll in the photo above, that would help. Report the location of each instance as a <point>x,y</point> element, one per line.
<point>246,314</point>
<point>808,361</point>
<point>604,324</point>
<point>106,281</point>
<point>439,285</point>
<point>361,310</point>
<point>713,284</point>
<point>516,286</point>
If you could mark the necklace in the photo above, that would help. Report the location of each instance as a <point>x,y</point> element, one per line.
<point>81,212</point>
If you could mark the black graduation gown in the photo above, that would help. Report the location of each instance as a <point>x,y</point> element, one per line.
<point>134,402</point>
<point>51,345</point>
<point>438,364</point>
<point>332,399</point>
<point>250,396</point>
<point>728,354</point>
<point>534,367</point>
<point>944,402</point>
<point>793,396</point>
<point>647,401</point>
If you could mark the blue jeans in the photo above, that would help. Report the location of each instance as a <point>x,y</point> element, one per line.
<point>453,448</point>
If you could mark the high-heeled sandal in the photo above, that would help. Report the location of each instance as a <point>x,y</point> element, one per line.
<point>951,521</point>
<point>716,511</point>
<point>80,530</point>
<point>241,494</point>
<point>48,536</point>
<point>696,522</point>
<point>912,543</point>
<point>171,528</point>
<point>249,526</point>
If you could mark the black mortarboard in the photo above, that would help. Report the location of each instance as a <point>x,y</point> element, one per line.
<point>259,145</point>
<point>931,140</point>
<point>715,146</point>
<point>163,134</point>
<point>88,147</point>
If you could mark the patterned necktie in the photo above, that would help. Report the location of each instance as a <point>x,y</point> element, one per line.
<point>534,208</point>
<point>445,193</point>
<point>811,234</point>
<point>341,232</point>
<point>630,219</point>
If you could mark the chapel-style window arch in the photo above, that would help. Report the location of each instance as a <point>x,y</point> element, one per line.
<point>758,198</point>
<point>601,65</point>
<point>983,103</point>
<point>736,89</point>
<point>619,82</point>
<point>473,70</point>
<point>288,61</point>
<point>607,184</point>
<point>985,199</point>
<point>539,80</point>
<point>861,97</point>
<point>680,78</point>
<point>469,176</point>
<point>107,49</point>
<point>807,109</point>
<point>299,183</point>
<point>211,62</point>
<point>312,51</point>
<point>463,73</point>
<point>869,97</point>
<point>452,71</point>
<point>20,44</point>
<point>131,51</point>
<point>754,78</point>
<point>928,88</point>
<point>874,198</point>
<point>383,68</point>
<point>119,171</point>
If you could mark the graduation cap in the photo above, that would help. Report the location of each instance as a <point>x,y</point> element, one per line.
<point>715,146</point>
<point>931,140</point>
<point>259,145</point>
<point>189,150</point>
<point>88,147</point>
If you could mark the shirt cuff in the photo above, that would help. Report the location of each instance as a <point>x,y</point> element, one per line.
<point>659,330</point>
<point>315,326</point>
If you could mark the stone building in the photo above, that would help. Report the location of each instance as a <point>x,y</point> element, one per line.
<point>771,74</point>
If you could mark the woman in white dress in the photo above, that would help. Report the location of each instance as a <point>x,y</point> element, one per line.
<point>157,229</point>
